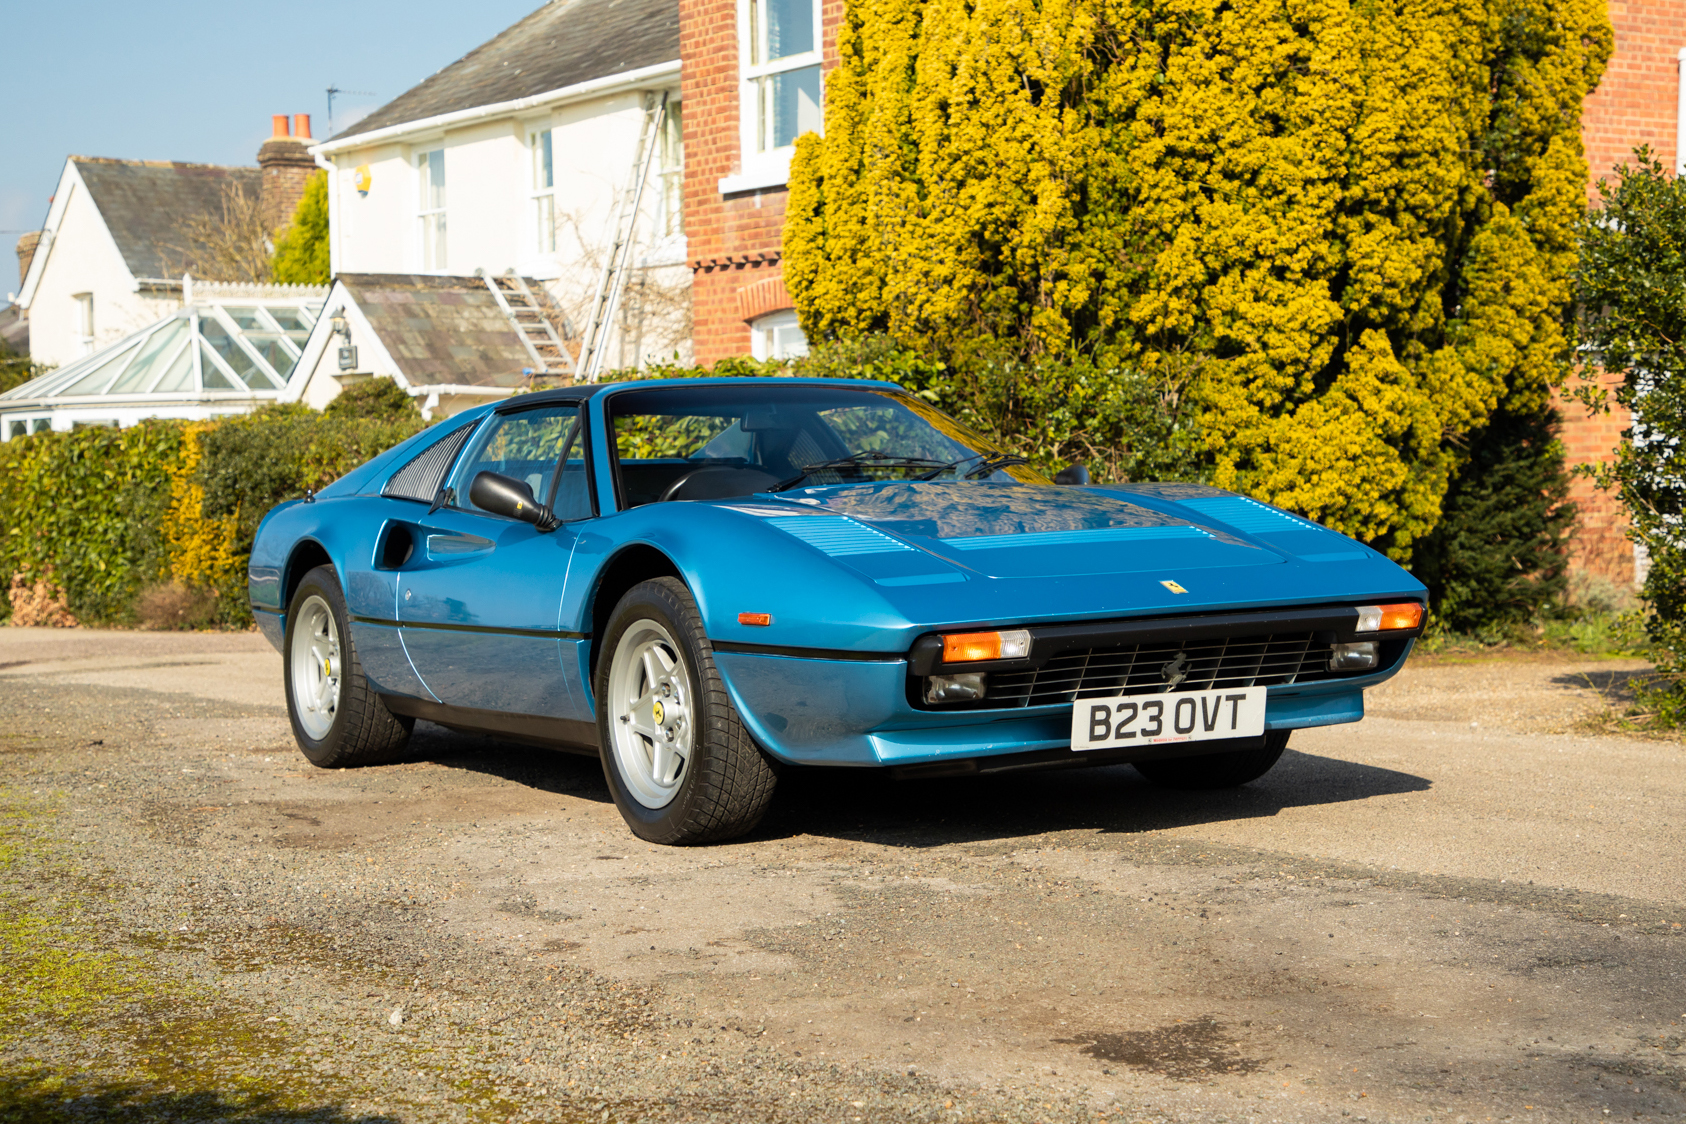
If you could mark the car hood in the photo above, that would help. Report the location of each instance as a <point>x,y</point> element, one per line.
<point>1019,530</point>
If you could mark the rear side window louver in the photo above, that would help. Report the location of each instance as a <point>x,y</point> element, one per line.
<point>423,476</point>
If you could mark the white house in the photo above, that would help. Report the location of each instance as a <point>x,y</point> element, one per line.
<point>101,270</point>
<point>118,237</point>
<point>518,158</point>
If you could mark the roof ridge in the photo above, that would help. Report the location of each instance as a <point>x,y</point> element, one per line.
<point>162,163</point>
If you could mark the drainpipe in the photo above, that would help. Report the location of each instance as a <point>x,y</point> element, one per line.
<point>326,163</point>
<point>1680,117</point>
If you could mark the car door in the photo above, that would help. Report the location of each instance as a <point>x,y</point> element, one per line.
<point>481,596</point>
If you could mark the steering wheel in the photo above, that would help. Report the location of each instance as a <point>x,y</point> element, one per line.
<point>717,482</point>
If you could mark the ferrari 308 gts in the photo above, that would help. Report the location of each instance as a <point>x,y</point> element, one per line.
<point>709,581</point>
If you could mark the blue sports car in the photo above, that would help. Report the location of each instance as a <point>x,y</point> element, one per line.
<point>706,582</point>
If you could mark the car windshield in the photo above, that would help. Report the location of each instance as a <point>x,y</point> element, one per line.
<point>764,437</point>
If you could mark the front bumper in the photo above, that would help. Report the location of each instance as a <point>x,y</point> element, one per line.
<point>853,712</point>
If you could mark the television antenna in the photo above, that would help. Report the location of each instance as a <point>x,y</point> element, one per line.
<point>335,90</point>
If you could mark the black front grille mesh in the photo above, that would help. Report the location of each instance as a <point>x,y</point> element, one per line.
<point>1141,669</point>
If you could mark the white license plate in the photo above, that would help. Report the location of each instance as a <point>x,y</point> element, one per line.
<point>1186,716</point>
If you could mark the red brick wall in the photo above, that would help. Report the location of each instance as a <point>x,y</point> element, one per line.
<point>733,241</point>
<point>1635,103</point>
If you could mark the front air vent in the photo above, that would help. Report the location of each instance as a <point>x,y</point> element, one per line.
<point>837,536</point>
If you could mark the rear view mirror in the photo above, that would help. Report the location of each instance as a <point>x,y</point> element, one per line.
<point>505,495</point>
<point>1072,474</point>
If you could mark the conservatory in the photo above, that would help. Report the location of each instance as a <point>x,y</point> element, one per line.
<point>227,350</point>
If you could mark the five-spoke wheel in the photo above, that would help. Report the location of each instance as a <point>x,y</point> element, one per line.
<point>316,667</point>
<point>338,719</point>
<point>650,731</point>
<point>679,762</point>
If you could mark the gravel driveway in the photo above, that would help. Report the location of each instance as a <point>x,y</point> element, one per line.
<point>1460,909</point>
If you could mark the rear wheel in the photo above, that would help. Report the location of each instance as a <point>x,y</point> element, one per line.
<point>1216,770</point>
<point>679,762</point>
<point>338,720</point>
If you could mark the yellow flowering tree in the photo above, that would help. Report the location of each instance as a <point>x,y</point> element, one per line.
<point>1353,220</point>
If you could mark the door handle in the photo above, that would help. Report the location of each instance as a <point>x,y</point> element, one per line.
<point>446,546</point>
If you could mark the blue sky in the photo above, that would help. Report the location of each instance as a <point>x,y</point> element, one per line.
<point>199,81</point>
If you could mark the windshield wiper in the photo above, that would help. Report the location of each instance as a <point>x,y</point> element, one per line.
<point>984,467</point>
<point>856,460</point>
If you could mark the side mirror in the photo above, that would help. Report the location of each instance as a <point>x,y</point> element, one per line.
<point>505,495</point>
<point>1072,474</point>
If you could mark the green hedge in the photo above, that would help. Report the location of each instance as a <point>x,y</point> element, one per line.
<point>91,509</point>
<point>86,508</point>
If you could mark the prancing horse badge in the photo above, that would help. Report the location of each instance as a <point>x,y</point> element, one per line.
<point>1173,587</point>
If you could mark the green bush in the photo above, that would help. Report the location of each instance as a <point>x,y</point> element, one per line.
<point>86,509</point>
<point>1497,559</point>
<point>91,509</point>
<point>378,398</point>
<point>1631,281</point>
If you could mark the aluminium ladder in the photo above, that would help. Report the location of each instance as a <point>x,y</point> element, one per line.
<point>613,279</point>
<point>538,335</point>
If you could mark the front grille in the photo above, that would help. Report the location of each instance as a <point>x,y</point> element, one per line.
<point>1142,669</point>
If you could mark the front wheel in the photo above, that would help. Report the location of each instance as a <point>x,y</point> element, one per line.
<point>679,762</point>
<point>1216,770</point>
<point>337,718</point>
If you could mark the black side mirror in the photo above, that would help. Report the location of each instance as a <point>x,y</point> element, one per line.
<point>505,495</point>
<point>1072,474</point>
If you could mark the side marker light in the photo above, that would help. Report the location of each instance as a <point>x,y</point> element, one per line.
<point>760,619</point>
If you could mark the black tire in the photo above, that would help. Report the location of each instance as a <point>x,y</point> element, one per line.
<point>726,782</point>
<point>357,729</point>
<point>1216,770</point>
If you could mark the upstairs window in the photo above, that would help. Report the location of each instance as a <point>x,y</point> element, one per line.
<point>430,169</point>
<point>543,192</point>
<point>671,220</point>
<point>781,73</point>
<point>84,313</point>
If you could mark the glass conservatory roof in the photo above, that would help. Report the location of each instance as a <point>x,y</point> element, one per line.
<point>246,347</point>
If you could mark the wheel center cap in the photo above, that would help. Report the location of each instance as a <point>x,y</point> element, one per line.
<point>660,714</point>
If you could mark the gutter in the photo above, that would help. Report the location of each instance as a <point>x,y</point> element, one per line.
<point>579,91</point>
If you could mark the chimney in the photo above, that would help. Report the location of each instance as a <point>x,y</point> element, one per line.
<point>26,253</point>
<point>286,167</point>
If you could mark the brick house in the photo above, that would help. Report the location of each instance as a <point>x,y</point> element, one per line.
<point>1638,102</point>
<point>752,78</point>
<point>746,96</point>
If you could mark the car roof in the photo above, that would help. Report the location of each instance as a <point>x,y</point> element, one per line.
<point>582,391</point>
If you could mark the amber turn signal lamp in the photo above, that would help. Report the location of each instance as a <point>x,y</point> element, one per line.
<point>970,647</point>
<point>1408,614</point>
<point>1390,618</point>
<point>762,619</point>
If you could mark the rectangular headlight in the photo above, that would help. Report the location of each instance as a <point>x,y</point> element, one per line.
<point>1353,657</point>
<point>970,647</point>
<point>965,687</point>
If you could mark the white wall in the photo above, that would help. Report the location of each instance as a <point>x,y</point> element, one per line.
<point>84,259</point>
<point>490,216</point>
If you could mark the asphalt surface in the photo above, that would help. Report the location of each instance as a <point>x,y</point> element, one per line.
<point>1466,907</point>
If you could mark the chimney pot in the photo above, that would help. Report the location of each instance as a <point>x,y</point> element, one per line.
<point>279,121</point>
<point>301,126</point>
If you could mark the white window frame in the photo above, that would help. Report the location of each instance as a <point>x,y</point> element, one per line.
<point>670,175</point>
<point>84,337</point>
<point>769,167</point>
<point>763,334</point>
<point>431,255</point>
<point>541,210</point>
